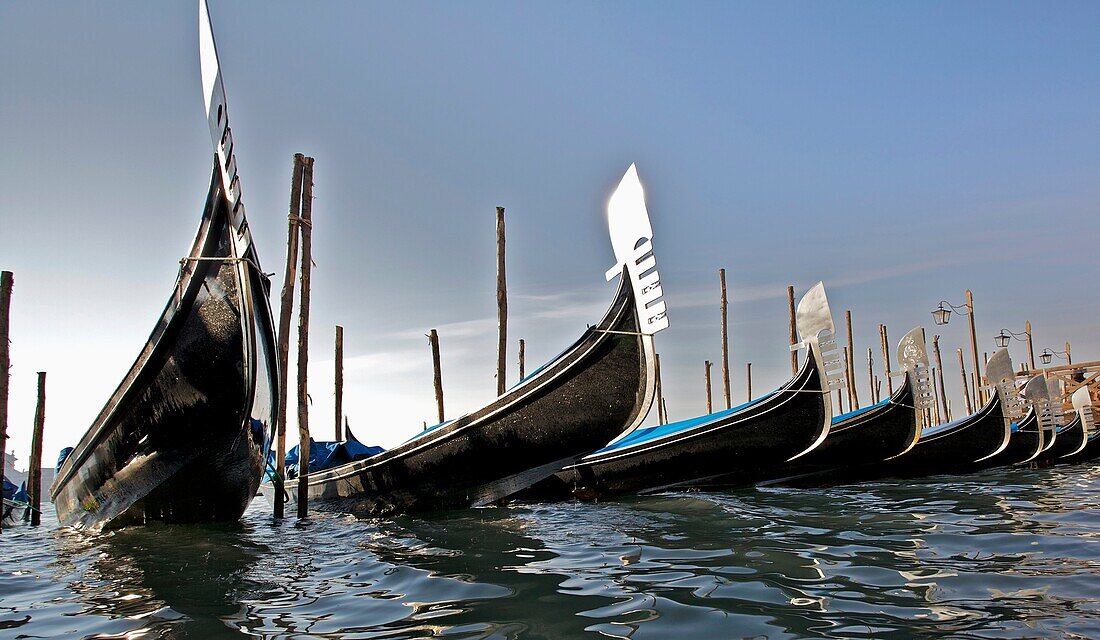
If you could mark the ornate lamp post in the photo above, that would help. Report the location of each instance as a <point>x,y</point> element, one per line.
<point>941,315</point>
<point>1005,336</point>
<point>1047,354</point>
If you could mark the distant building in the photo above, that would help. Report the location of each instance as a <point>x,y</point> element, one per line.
<point>17,476</point>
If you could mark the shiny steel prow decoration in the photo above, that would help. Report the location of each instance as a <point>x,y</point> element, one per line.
<point>1037,394</point>
<point>1082,404</point>
<point>913,359</point>
<point>221,135</point>
<point>1057,412</point>
<point>816,331</point>
<point>1002,380</point>
<point>632,240</point>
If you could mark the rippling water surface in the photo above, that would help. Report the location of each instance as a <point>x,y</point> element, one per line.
<point>1000,554</point>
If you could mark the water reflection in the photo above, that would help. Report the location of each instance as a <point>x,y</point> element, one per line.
<point>997,554</point>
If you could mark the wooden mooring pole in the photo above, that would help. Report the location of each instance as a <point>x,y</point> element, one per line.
<point>339,374</point>
<point>522,350</point>
<point>978,394</point>
<point>871,376</point>
<point>748,382</point>
<point>303,339</point>
<point>34,473</point>
<point>966,391</point>
<point>706,371</point>
<point>433,340</point>
<point>886,359</point>
<point>286,311</point>
<point>6,282</point>
<point>853,395</point>
<point>725,339</point>
<point>792,328</point>
<point>660,391</point>
<point>945,413</point>
<point>502,307</point>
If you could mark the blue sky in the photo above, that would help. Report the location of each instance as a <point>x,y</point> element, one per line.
<point>900,152</point>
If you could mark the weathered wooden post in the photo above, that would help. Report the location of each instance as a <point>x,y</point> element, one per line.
<point>966,392</point>
<point>886,359</point>
<point>303,339</point>
<point>946,413</point>
<point>6,282</point>
<point>849,362</point>
<point>725,340</point>
<point>878,389</point>
<point>1030,347</point>
<point>871,376</point>
<point>286,311</point>
<point>660,391</point>
<point>748,382</point>
<point>34,473</point>
<point>1069,358</point>
<point>793,329</point>
<point>502,307</point>
<point>433,340</point>
<point>706,372</point>
<point>522,349</point>
<point>339,375</point>
<point>978,393</point>
<point>934,412</point>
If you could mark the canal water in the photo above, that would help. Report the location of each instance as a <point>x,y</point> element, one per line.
<point>1000,554</point>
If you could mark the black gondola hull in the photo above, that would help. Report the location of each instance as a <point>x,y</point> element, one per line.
<point>1067,442</point>
<point>960,448</point>
<point>574,405</point>
<point>1023,446</point>
<point>735,448</point>
<point>878,434</point>
<point>184,437</point>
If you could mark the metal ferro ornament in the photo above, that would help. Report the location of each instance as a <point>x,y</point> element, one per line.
<point>913,359</point>
<point>1002,380</point>
<point>1037,394</point>
<point>1082,404</point>
<point>220,134</point>
<point>814,321</point>
<point>1054,392</point>
<point>632,240</point>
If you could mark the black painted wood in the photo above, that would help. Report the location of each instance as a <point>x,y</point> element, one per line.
<point>184,437</point>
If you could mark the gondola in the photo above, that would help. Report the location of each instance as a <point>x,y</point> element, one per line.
<point>1072,439</point>
<point>1082,406</point>
<point>964,444</point>
<point>599,388</point>
<point>873,434</point>
<point>184,438</point>
<point>1028,438</point>
<point>736,445</point>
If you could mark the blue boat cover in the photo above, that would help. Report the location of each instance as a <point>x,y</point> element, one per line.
<point>851,414</point>
<point>326,455</point>
<point>63,456</point>
<point>9,488</point>
<point>639,436</point>
<point>12,492</point>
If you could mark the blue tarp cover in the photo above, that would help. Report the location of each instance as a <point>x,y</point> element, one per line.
<point>12,492</point>
<point>652,433</point>
<point>326,455</point>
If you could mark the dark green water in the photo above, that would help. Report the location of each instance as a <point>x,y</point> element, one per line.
<point>1002,554</point>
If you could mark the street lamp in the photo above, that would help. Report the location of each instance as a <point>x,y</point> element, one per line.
<point>1005,336</point>
<point>941,315</point>
<point>1048,354</point>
